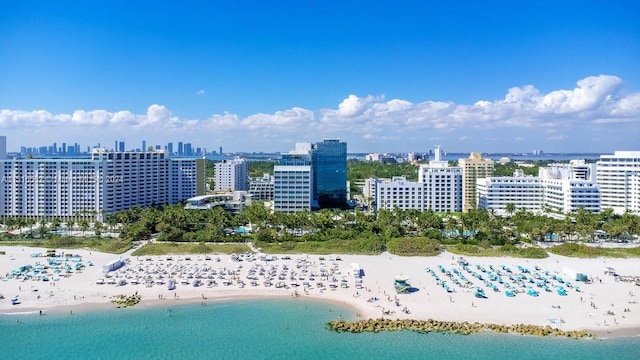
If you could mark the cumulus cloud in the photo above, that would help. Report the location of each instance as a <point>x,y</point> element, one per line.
<point>201,92</point>
<point>595,101</point>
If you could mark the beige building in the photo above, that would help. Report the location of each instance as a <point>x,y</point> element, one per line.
<point>473,168</point>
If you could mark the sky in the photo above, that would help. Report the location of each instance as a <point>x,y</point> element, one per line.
<point>384,76</point>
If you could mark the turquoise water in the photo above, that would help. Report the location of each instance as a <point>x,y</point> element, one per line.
<point>259,329</point>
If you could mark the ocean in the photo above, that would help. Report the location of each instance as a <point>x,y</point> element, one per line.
<point>265,329</point>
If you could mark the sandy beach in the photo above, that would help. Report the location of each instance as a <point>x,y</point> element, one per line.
<point>605,305</point>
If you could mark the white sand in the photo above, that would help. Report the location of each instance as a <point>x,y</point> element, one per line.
<point>572,312</point>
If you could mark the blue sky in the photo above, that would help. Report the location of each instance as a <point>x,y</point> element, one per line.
<point>384,76</point>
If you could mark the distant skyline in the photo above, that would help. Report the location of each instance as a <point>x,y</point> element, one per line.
<point>488,76</point>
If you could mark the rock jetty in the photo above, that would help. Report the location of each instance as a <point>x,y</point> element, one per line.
<point>122,301</point>
<point>463,328</point>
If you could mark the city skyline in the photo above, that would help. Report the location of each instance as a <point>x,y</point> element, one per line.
<point>488,76</point>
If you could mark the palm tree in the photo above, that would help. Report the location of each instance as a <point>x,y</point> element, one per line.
<point>70,225</point>
<point>84,225</point>
<point>55,224</point>
<point>510,209</point>
<point>97,228</point>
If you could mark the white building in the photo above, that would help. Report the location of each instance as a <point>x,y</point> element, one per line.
<point>232,175</point>
<point>232,202</point>
<point>400,193</point>
<point>558,189</point>
<point>524,192</point>
<point>442,185</point>
<point>292,188</point>
<point>568,195</point>
<point>262,188</point>
<point>106,183</point>
<point>293,180</point>
<point>618,178</point>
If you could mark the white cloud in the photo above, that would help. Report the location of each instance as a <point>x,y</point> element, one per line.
<point>201,92</point>
<point>595,103</point>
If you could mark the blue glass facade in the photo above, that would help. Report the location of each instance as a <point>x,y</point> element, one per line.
<point>329,172</point>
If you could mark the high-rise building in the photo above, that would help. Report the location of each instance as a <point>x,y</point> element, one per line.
<point>121,146</point>
<point>108,182</point>
<point>170,148</point>
<point>180,148</point>
<point>329,167</point>
<point>3,147</point>
<point>188,150</point>
<point>473,168</point>
<point>144,146</point>
<point>618,176</point>
<point>232,175</point>
<point>293,183</point>
<point>443,185</point>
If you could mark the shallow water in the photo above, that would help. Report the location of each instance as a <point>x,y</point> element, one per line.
<point>265,329</point>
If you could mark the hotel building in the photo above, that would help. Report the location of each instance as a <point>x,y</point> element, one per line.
<point>618,176</point>
<point>558,189</point>
<point>442,185</point>
<point>106,183</point>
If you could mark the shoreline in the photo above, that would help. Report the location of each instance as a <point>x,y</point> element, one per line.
<point>79,292</point>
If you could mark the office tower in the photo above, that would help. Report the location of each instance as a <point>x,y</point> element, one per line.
<point>121,146</point>
<point>329,167</point>
<point>220,150</point>
<point>3,147</point>
<point>170,148</point>
<point>232,175</point>
<point>473,168</point>
<point>144,145</point>
<point>443,185</point>
<point>64,148</point>
<point>618,176</point>
<point>180,148</point>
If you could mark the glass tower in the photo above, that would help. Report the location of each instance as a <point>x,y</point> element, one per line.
<point>329,172</point>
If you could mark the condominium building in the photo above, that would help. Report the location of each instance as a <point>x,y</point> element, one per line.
<point>232,175</point>
<point>618,176</point>
<point>442,185</point>
<point>292,188</point>
<point>311,176</point>
<point>106,183</point>
<point>399,193</point>
<point>473,168</point>
<point>262,188</point>
<point>187,177</point>
<point>293,181</point>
